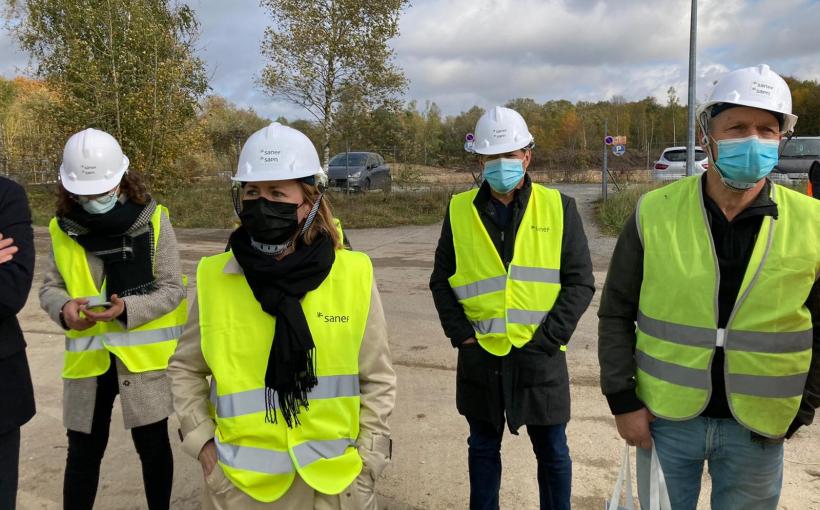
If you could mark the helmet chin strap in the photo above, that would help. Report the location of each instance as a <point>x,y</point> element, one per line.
<point>278,249</point>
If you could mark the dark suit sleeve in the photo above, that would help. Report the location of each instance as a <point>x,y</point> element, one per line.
<point>15,275</point>
<point>616,321</point>
<point>577,283</point>
<point>450,313</point>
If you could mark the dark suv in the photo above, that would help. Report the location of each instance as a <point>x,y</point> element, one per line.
<point>797,156</point>
<point>359,171</point>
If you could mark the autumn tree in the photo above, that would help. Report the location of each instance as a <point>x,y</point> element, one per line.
<point>226,127</point>
<point>124,66</point>
<point>324,51</point>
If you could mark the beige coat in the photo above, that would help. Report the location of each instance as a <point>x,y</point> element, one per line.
<point>145,397</point>
<point>190,386</point>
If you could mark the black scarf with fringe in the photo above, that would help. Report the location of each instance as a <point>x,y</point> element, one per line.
<point>278,285</point>
<point>123,238</point>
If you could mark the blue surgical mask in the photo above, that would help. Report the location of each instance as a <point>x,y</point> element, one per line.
<point>503,174</point>
<point>100,205</point>
<point>744,161</point>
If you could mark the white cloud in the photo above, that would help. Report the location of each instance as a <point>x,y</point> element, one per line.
<point>460,53</point>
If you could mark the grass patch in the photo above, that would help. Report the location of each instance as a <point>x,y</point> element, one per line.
<point>379,210</point>
<point>613,214</point>
<point>208,205</point>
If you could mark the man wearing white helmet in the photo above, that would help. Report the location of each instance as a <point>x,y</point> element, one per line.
<point>512,277</point>
<point>290,328</point>
<point>720,273</point>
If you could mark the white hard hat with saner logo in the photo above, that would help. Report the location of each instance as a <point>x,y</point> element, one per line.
<point>755,87</point>
<point>93,163</point>
<point>277,153</point>
<point>499,131</point>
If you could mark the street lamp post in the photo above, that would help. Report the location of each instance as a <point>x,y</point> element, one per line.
<point>693,44</point>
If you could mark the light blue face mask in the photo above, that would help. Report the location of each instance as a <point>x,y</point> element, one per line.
<point>744,161</point>
<point>100,205</point>
<point>503,174</point>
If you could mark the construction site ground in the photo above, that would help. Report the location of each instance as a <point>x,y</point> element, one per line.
<point>429,468</point>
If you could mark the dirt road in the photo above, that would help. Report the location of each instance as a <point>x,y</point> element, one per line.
<point>429,469</point>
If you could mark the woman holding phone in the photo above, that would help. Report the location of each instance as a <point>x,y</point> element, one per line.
<point>114,284</point>
<point>290,329</point>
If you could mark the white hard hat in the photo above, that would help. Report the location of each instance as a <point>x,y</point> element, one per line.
<point>277,153</point>
<point>756,87</point>
<point>499,131</point>
<point>93,163</point>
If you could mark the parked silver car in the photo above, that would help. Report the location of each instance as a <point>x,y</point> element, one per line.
<point>359,171</point>
<point>672,164</point>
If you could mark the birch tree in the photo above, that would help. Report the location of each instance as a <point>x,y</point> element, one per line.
<point>323,51</point>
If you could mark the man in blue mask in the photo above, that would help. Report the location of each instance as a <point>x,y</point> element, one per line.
<point>512,277</point>
<point>720,275</point>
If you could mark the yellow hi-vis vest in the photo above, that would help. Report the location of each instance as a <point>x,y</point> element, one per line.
<point>768,340</point>
<point>141,349</point>
<point>338,224</point>
<point>506,306</point>
<point>259,458</point>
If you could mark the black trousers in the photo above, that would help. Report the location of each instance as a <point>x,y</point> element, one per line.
<point>9,458</point>
<point>85,453</point>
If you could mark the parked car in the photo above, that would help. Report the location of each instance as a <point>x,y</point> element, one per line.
<point>359,171</point>
<point>796,157</point>
<point>672,164</point>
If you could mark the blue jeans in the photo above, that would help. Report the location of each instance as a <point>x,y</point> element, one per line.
<point>745,475</point>
<point>549,442</point>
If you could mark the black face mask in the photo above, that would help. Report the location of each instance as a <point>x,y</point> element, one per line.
<point>269,222</point>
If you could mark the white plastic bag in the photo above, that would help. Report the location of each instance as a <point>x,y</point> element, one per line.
<point>658,494</point>
<point>625,475</point>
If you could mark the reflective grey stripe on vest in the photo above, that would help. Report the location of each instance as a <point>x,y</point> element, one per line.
<point>499,324</point>
<point>489,326</point>
<point>535,274</point>
<point>122,339</point>
<point>311,451</point>
<point>151,336</point>
<point>84,344</point>
<point>777,343</point>
<point>525,316</point>
<point>746,341</point>
<point>254,459</point>
<point>767,386</point>
<point>677,333</point>
<point>274,462</point>
<point>253,401</point>
<point>480,287</point>
<point>669,372</point>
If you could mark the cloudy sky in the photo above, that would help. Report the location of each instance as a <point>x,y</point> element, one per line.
<point>460,53</point>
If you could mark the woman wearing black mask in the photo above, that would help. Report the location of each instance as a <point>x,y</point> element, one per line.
<point>114,284</point>
<point>290,328</point>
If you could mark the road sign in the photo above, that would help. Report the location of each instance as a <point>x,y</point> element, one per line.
<point>619,150</point>
<point>609,140</point>
<point>619,140</point>
<point>469,141</point>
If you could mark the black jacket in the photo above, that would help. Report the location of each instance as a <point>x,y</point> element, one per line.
<point>734,242</point>
<point>16,393</point>
<point>531,384</point>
